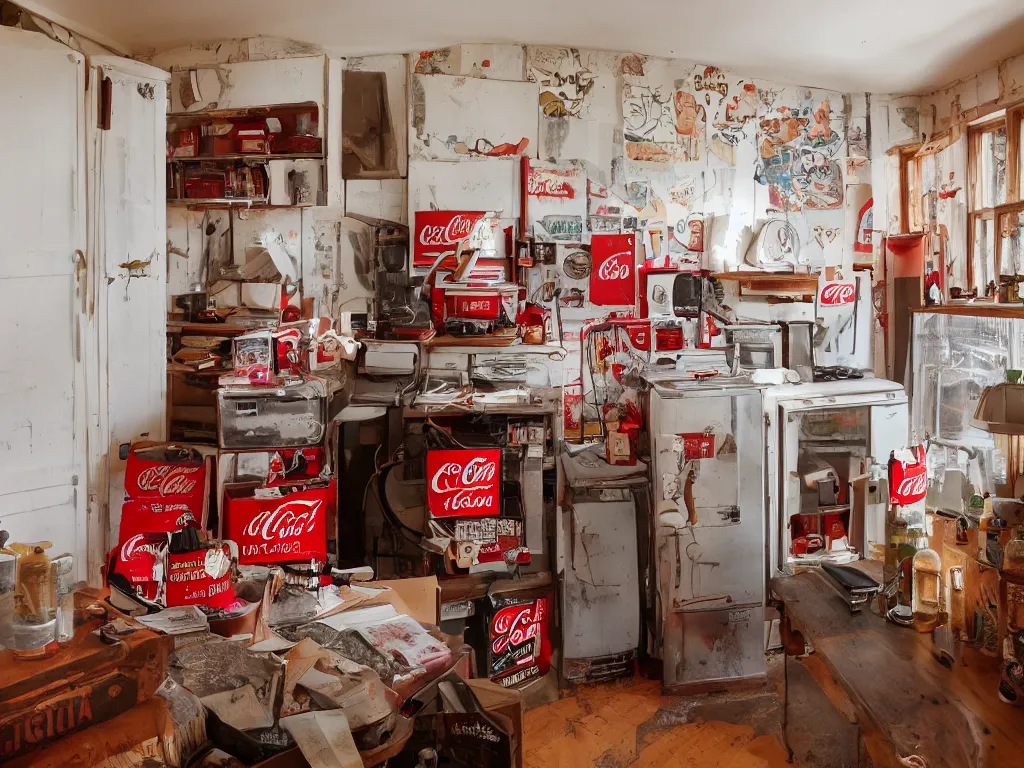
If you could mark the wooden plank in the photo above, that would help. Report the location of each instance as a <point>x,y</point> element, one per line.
<point>976,309</point>
<point>952,718</point>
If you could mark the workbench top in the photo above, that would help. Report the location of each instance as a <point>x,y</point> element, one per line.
<point>900,692</point>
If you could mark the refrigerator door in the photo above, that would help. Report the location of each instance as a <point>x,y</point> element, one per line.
<point>713,647</point>
<point>601,585</point>
<point>709,483</point>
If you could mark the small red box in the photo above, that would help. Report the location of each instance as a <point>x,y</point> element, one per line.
<point>464,483</point>
<point>204,189</point>
<point>290,528</point>
<point>186,143</point>
<point>698,445</point>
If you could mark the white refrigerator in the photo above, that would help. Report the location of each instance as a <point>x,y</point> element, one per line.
<point>708,485</point>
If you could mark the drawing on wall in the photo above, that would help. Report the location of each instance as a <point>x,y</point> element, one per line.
<point>557,204</point>
<point>564,81</point>
<point>799,141</point>
<point>431,62</point>
<point>649,125</point>
<point>555,183</point>
<point>777,246</point>
<point>732,115</point>
<point>825,235</point>
<point>455,117</point>
<point>948,189</point>
<point>560,227</point>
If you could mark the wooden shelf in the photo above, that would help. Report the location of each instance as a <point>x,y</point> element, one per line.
<point>242,112</point>
<point>249,202</point>
<point>249,156</point>
<point>975,309</point>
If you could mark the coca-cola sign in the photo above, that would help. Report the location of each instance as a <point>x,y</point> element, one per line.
<point>191,582</point>
<point>463,483</point>
<point>165,487</point>
<point>837,293</point>
<point>284,529</point>
<point>169,480</point>
<point>612,278</point>
<point>908,480</point>
<point>551,183</point>
<point>438,232</point>
<point>518,640</point>
<point>137,560</point>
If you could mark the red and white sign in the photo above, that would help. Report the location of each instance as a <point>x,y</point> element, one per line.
<point>163,492</point>
<point>612,278</point>
<point>192,580</point>
<point>464,482</point>
<point>472,306</point>
<point>438,232</point>
<point>551,183</point>
<point>908,481</point>
<point>837,294</point>
<point>518,641</point>
<point>284,529</point>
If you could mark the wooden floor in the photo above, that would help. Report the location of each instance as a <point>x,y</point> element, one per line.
<point>631,724</point>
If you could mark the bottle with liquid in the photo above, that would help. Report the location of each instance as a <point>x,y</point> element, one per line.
<point>927,590</point>
<point>35,605</point>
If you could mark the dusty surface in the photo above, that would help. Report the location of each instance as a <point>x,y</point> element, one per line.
<point>629,723</point>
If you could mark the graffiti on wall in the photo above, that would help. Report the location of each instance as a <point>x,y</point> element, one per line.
<point>799,141</point>
<point>565,82</point>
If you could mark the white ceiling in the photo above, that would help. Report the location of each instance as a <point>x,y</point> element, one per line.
<point>882,46</point>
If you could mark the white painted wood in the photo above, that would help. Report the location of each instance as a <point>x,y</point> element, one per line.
<point>127,253</point>
<point>453,116</point>
<point>332,141</point>
<point>382,199</point>
<point>255,83</point>
<point>42,415</point>
<point>471,186</point>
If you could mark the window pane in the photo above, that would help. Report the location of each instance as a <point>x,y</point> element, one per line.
<point>915,190</point>
<point>992,173</point>
<point>984,254</point>
<point>1011,260</point>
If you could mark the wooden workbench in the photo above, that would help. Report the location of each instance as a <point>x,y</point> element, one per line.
<point>887,680</point>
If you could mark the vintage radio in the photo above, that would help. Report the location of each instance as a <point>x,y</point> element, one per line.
<point>90,681</point>
<point>291,415</point>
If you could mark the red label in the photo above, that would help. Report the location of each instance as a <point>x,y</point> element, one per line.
<point>463,483</point>
<point>697,445</point>
<point>189,582</point>
<point>639,334</point>
<point>834,294</point>
<point>162,495</point>
<point>611,279</point>
<point>438,232</point>
<point>668,338</point>
<point>472,306</point>
<point>286,529</point>
<point>908,483</point>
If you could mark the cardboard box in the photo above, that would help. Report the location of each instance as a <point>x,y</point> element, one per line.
<point>505,702</point>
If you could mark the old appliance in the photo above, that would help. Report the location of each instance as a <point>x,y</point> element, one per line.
<point>707,478</point>
<point>600,587</point>
<point>821,437</point>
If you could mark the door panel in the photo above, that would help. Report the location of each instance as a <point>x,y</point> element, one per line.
<point>41,204</point>
<point>128,243</point>
<point>719,561</point>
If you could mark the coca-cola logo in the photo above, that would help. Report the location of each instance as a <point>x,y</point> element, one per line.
<point>184,519</point>
<point>540,185</point>
<point>293,518</point>
<point>463,482</point>
<point>615,267</point>
<point>457,228</point>
<point>140,544</point>
<point>913,486</point>
<point>835,294</point>
<point>514,626</point>
<point>168,480</point>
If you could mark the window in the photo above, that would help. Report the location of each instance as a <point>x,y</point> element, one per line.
<point>996,200</point>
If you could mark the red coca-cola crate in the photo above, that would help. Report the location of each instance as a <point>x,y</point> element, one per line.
<point>200,578</point>
<point>289,527</point>
<point>204,189</point>
<point>166,487</point>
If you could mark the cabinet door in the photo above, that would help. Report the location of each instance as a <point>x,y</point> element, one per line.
<point>42,200</point>
<point>127,252</point>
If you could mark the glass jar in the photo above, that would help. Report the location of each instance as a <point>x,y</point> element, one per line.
<point>927,590</point>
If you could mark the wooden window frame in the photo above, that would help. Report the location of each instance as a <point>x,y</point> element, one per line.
<point>1011,121</point>
<point>909,164</point>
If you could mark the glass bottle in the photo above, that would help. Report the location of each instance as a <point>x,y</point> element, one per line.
<point>35,606</point>
<point>927,590</point>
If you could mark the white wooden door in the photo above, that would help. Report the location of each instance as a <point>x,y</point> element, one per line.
<point>127,244</point>
<point>42,419</point>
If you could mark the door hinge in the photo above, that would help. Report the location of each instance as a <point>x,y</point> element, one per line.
<point>106,94</point>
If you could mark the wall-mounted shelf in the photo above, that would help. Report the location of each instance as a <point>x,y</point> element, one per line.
<point>220,201</point>
<point>248,156</point>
